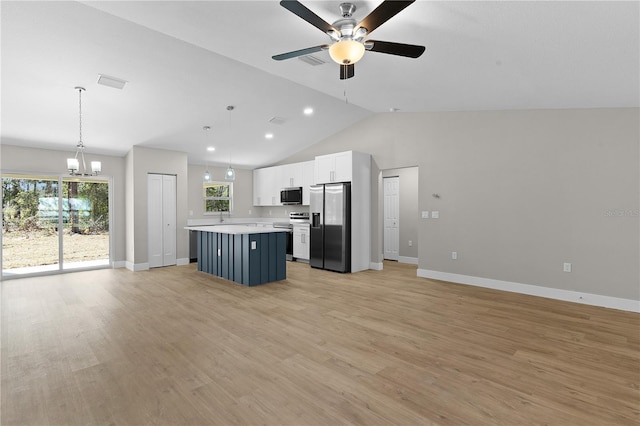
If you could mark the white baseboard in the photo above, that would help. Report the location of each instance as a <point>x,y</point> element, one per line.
<point>183,261</point>
<point>376,266</point>
<point>135,267</point>
<point>534,290</point>
<point>406,259</point>
<point>119,264</point>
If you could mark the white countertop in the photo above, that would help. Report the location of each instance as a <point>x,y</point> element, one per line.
<point>236,229</point>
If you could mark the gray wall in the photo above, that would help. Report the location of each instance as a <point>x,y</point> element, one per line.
<point>33,160</point>
<point>140,162</point>
<point>521,192</point>
<point>242,191</point>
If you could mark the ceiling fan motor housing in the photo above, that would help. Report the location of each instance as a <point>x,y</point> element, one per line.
<point>347,9</point>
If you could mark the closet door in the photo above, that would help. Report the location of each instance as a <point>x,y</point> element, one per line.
<point>161,218</point>
<point>169,220</point>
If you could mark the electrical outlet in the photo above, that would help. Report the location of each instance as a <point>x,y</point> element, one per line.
<point>190,212</point>
<point>410,243</point>
<point>249,211</point>
<point>566,267</point>
<point>454,255</point>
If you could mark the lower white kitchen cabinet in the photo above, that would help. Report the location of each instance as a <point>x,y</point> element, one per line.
<point>301,241</point>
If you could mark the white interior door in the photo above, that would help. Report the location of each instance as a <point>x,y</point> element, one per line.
<point>154,220</point>
<point>161,218</point>
<point>391,217</point>
<point>169,218</point>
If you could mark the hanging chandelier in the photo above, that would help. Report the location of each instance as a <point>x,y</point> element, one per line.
<point>73,164</point>
<point>230,173</point>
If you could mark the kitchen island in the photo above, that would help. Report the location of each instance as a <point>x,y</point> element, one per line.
<point>249,255</point>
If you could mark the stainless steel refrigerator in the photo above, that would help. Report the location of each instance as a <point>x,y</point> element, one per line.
<point>330,233</point>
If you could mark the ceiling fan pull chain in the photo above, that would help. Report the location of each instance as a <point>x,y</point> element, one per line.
<point>344,93</point>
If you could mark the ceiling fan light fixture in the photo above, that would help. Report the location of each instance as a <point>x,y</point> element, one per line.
<point>346,52</point>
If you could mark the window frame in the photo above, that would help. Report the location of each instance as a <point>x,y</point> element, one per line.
<point>205,198</point>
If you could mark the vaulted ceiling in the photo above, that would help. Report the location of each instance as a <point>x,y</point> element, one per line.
<point>186,61</point>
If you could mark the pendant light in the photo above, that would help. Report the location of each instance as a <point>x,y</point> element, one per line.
<point>230,173</point>
<point>207,175</point>
<point>73,164</point>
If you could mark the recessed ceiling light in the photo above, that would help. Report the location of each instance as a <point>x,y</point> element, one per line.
<point>308,111</point>
<point>268,135</point>
<point>210,149</point>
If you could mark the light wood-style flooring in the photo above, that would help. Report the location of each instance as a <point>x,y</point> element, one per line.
<point>173,346</point>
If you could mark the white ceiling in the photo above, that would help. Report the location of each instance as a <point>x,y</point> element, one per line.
<point>186,61</point>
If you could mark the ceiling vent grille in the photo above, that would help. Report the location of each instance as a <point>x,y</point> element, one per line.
<point>311,60</point>
<point>277,120</point>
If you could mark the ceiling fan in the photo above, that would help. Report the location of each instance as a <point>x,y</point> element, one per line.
<point>347,35</point>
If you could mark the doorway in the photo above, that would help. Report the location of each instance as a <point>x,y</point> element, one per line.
<point>54,223</point>
<point>162,223</point>
<point>391,236</point>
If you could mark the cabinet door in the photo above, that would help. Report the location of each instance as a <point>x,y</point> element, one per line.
<point>343,167</point>
<point>262,193</point>
<point>304,243</point>
<point>324,168</point>
<point>308,168</point>
<point>298,250</point>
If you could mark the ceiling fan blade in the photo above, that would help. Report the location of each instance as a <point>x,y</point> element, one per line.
<point>299,9</point>
<point>381,14</point>
<point>347,71</point>
<point>400,49</point>
<point>300,52</point>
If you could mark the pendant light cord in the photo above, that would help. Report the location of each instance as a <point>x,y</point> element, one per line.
<point>80,144</point>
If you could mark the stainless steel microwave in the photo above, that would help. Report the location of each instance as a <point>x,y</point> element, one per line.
<point>290,196</point>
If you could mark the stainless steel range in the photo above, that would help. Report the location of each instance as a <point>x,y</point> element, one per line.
<point>294,217</point>
<point>298,217</point>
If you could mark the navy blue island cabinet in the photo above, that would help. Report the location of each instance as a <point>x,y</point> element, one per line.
<point>248,255</point>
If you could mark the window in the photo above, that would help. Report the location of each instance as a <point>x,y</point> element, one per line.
<point>218,197</point>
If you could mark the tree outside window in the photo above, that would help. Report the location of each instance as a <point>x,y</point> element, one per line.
<point>218,197</point>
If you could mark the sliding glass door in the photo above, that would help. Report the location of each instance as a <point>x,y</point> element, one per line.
<point>85,209</point>
<point>53,223</point>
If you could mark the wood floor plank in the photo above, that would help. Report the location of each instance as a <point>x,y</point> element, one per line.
<point>172,346</point>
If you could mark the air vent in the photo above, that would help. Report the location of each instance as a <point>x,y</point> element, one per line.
<point>114,82</point>
<point>277,120</point>
<point>311,60</point>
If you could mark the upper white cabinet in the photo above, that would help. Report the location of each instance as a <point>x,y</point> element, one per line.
<point>334,167</point>
<point>269,181</point>
<point>308,168</point>
<point>266,187</point>
<point>340,167</point>
<point>291,175</point>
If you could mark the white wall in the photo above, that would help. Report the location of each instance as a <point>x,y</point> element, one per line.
<point>522,192</point>
<point>33,160</point>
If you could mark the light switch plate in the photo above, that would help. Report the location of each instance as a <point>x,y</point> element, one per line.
<point>254,245</point>
<point>425,214</point>
<point>435,214</point>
